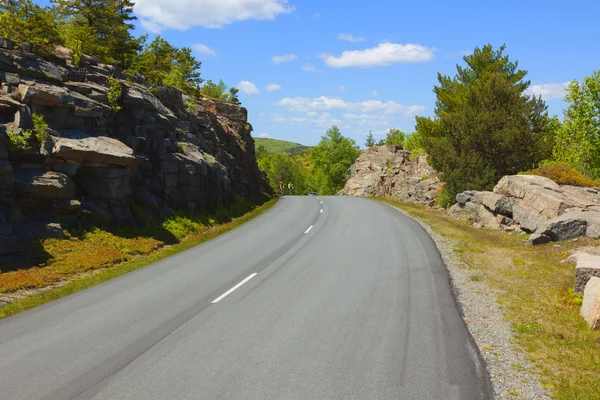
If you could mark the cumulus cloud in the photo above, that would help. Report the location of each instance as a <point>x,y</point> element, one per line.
<point>382,55</point>
<point>156,15</point>
<point>308,67</point>
<point>549,91</point>
<point>323,119</point>
<point>271,87</point>
<point>350,38</point>
<point>203,49</point>
<point>264,135</point>
<point>248,87</point>
<point>283,59</point>
<point>305,104</point>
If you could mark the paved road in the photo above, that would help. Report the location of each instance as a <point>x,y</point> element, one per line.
<point>357,307</point>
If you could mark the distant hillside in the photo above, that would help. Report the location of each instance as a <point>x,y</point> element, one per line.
<point>280,146</point>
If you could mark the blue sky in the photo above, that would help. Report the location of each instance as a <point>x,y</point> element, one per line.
<point>368,65</point>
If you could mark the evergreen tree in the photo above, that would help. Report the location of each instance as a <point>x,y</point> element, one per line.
<point>395,137</point>
<point>370,142</point>
<point>24,21</point>
<point>485,125</point>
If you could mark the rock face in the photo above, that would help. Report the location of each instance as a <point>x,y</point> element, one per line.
<point>161,151</point>
<point>536,204</point>
<point>590,309</point>
<point>388,171</point>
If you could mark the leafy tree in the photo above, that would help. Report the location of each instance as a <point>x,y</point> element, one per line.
<point>380,142</point>
<point>282,167</point>
<point>184,72</point>
<point>414,144</point>
<point>395,137</point>
<point>485,125</point>
<point>578,139</point>
<point>370,140</point>
<point>220,91</point>
<point>24,21</point>
<point>331,159</point>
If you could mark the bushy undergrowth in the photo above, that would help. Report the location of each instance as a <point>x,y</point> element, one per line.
<point>92,248</point>
<point>564,174</point>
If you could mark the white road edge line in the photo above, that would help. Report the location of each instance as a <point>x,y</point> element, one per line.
<point>308,230</point>
<point>227,293</point>
<point>321,211</point>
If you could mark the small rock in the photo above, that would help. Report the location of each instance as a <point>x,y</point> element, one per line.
<point>590,309</point>
<point>54,230</point>
<point>538,238</point>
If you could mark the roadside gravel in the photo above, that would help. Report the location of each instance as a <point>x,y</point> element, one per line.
<point>512,376</point>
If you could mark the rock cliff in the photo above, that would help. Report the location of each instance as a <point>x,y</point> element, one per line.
<point>389,171</point>
<point>161,151</point>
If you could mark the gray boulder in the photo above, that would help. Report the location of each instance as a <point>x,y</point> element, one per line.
<point>587,266</point>
<point>46,95</point>
<point>41,183</point>
<point>494,202</point>
<point>486,219</point>
<point>538,238</point>
<point>529,219</point>
<point>572,225</point>
<point>81,148</point>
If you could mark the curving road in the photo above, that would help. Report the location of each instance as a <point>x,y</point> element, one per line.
<point>357,307</point>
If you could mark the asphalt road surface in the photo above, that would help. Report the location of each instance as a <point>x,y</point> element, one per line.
<point>319,298</point>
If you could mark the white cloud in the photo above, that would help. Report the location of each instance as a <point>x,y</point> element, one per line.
<point>284,58</point>
<point>375,93</point>
<point>156,15</point>
<point>308,67</point>
<point>380,56</point>
<point>305,104</point>
<point>264,135</point>
<point>271,87</point>
<point>203,49</point>
<point>342,88</point>
<point>248,87</point>
<point>316,15</point>
<point>277,118</point>
<point>549,91</point>
<point>350,38</point>
<point>323,119</point>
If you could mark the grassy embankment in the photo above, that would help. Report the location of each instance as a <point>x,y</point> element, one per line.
<point>93,256</point>
<point>535,291</point>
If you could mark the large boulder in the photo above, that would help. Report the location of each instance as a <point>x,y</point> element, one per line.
<point>529,219</point>
<point>81,147</point>
<point>46,95</point>
<point>486,219</point>
<point>41,183</point>
<point>572,225</point>
<point>494,202</point>
<point>590,309</point>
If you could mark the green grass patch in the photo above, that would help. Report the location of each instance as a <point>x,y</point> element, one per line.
<point>535,291</point>
<point>111,256</point>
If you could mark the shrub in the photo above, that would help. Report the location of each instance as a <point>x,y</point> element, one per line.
<point>563,173</point>
<point>41,128</point>
<point>445,199</point>
<point>18,140</point>
<point>115,92</point>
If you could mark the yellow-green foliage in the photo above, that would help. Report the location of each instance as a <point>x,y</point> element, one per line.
<point>564,174</point>
<point>115,91</point>
<point>41,128</point>
<point>18,140</point>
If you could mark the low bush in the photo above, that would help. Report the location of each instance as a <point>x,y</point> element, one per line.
<point>563,173</point>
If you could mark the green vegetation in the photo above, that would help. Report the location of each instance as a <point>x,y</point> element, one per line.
<point>18,140</point>
<point>475,138</point>
<point>322,169</point>
<point>370,142</point>
<point>115,92</point>
<point>111,255</point>
<point>537,299</point>
<point>563,173</point>
<point>274,146</point>
<point>104,29</point>
<point>578,138</point>
<point>40,128</point>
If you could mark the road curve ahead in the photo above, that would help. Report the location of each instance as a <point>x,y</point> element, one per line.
<point>351,302</point>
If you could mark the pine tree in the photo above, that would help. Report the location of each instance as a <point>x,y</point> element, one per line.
<point>370,142</point>
<point>485,125</point>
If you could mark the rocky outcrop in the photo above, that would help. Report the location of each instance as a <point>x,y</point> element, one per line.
<point>535,204</point>
<point>161,150</point>
<point>389,171</point>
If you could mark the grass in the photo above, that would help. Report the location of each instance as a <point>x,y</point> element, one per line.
<point>110,255</point>
<point>535,291</point>
<point>274,146</point>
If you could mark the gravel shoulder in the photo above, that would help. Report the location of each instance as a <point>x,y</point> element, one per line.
<point>513,377</point>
